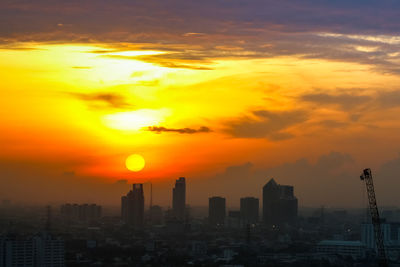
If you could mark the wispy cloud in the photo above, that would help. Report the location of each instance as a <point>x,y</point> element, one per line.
<point>103,100</point>
<point>266,124</point>
<point>160,129</point>
<point>344,100</point>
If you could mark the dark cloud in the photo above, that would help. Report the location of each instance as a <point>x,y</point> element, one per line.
<point>160,129</point>
<point>266,124</point>
<point>104,100</point>
<point>210,29</point>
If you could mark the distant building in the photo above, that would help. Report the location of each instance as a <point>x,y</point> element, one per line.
<point>354,249</point>
<point>132,207</point>
<point>37,251</point>
<point>81,212</point>
<point>179,199</point>
<point>279,204</point>
<point>249,210</point>
<point>216,211</point>
<point>391,238</point>
<point>156,215</point>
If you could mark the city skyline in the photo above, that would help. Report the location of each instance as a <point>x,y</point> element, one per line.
<point>214,133</point>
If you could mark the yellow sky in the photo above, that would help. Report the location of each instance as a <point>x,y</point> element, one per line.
<point>93,104</point>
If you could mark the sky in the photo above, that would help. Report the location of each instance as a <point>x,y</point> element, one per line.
<point>226,93</point>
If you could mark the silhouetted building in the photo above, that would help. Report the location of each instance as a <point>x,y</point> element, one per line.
<point>81,212</point>
<point>179,199</point>
<point>279,204</point>
<point>216,211</point>
<point>249,210</point>
<point>132,207</point>
<point>37,251</point>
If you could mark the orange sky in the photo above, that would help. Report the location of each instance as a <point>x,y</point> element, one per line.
<point>198,103</point>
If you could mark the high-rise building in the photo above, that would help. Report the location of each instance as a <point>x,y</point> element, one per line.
<point>179,199</point>
<point>249,210</point>
<point>216,211</point>
<point>40,250</point>
<point>279,204</point>
<point>132,207</point>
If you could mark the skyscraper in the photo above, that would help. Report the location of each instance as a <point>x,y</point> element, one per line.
<point>216,210</point>
<point>279,204</point>
<point>179,199</point>
<point>249,209</point>
<point>132,207</point>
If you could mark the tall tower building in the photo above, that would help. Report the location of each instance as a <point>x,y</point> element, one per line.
<point>279,204</point>
<point>132,207</point>
<point>249,210</point>
<point>216,211</point>
<point>179,199</point>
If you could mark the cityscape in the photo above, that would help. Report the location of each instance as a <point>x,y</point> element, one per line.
<point>212,133</point>
<point>270,232</point>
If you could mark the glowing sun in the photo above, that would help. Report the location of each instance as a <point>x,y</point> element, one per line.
<point>135,163</point>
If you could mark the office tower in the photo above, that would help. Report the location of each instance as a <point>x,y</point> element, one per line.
<point>216,211</point>
<point>249,210</point>
<point>132,207</point>
<point>179,199</point>
<point>279,204</point>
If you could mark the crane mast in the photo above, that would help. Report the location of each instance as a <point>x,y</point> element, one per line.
<point>373,208</point>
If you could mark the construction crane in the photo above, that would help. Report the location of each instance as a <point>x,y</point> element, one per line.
<point>373,208</point>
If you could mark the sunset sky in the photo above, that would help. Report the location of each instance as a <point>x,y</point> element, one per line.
<point>225,93</point>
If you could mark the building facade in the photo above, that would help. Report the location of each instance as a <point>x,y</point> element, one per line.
<point>179,199</point>
<point>279,204</point>
<point>216,211</point>
<point>132,207</point>
<point>37,251</point>
<point>249,210</point>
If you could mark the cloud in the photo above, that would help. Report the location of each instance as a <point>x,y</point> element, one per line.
<point>266,123</point>
<point>379,99</point>
<point>101,100</point>
<point>344,100</point>
<point>173,60</point>
<point>311,29</point>
<point>389,99</point>
<point>333,124</point>
<point>159,130</point>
